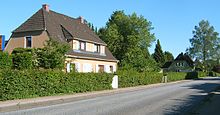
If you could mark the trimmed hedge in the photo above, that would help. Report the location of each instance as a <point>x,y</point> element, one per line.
<point>22,58</point>
<point>175,76</point>
<point>5,60</point>
<point>15,84</point>
<point>133,78</point>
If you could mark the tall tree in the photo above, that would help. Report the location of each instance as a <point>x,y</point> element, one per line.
<point>203,43</point>
<point>128,38</point>
<point>158,54</point>
<point>168,56</point>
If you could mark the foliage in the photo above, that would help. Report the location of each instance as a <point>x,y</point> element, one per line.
<point>5,60</point>
<point>168,56</point>
<point>129,78</point>
<point>52,55</point>
<point>17,84</point>
<point>204,43</point>
<point>22,58</point>
<point>216,68</point>
<point>128,38</point>
<point>158,54</point>
<point>176,76</point>
<point>91,26</point>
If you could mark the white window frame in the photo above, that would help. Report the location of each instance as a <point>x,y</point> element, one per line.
<point>80,46</point>
<point>97,48</point>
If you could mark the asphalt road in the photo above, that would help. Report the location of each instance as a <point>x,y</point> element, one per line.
<point>168,99</point>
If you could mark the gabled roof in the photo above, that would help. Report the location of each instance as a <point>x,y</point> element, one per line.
<point>61,28</point>
<point>180,57</point>
<point>54,23</point>
<point>185,57</point>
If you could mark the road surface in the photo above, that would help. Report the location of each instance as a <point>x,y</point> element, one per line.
<point>166,99</point>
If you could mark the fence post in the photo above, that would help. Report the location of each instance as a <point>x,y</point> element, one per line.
<point>164,79</point>
<point>115,82</point>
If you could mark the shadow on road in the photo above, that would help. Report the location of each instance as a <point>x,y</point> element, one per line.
<point>185,106</point>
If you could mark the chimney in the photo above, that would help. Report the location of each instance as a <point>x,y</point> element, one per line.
<point>46,7</point>
<point>81,20</point>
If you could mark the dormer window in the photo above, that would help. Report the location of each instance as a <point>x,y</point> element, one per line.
<point>82,45</point>
<point>97,48</point>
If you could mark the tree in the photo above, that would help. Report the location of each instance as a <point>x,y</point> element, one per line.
<point>168,56</point>
<point>52,55</point>
<point>128,38</point>
<point>158,54</point>
<point>204,42</point>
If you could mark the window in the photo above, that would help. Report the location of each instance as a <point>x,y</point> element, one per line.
<point>87,67</point>
<point>82,45</point>
<point>28,41</point>
<point>101,68</point>
<point>111,69</point>
<point>97,48</point>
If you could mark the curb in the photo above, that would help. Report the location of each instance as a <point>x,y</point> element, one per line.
<point>14,105</point>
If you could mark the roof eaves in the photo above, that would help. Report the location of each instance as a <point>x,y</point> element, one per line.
<point>90,41</point>
<point>83,57</point>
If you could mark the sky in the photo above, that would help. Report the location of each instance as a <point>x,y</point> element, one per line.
<point>173,20</point>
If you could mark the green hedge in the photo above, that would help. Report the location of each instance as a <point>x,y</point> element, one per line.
<point>175,76</point>
<point>22,58</point>
<point>15,84</point>
<point>5,60</point>
<point>129,78</point>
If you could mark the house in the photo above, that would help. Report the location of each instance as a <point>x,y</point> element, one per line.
<point>88,52</point>
<point>182,63</point>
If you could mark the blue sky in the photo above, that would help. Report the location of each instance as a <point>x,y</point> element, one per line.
<point>173,20</point>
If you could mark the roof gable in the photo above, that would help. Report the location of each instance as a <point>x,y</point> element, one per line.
<point>184,57</point>
<point>51,22</point>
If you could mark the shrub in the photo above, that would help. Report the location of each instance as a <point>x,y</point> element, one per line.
<point>17,84</point>
<point>52,55</point>
<point>22,58</point>
<point>175,76</point>
<point>129,78</point>
<point>5,60</point>
<point>202,74</point>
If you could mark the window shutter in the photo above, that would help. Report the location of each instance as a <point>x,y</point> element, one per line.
<point>97,68</point>
<point>114,68</point>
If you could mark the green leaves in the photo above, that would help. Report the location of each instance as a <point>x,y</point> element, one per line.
<point>158,54</point>
<point>50,57</point>
<point>22,58</point>
<point>18,84</point>
<point>131,77</point>
<point>128,38</point>
<point>5,60</point>
<point>204,43</point>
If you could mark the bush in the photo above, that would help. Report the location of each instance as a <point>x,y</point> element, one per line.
<point>52,55</point>
<point>202,74</point>
<point>175,76</point>
<point>22,58</point>
<point>17,84</point>
<point>5,60</point>
<point>129,78</point>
